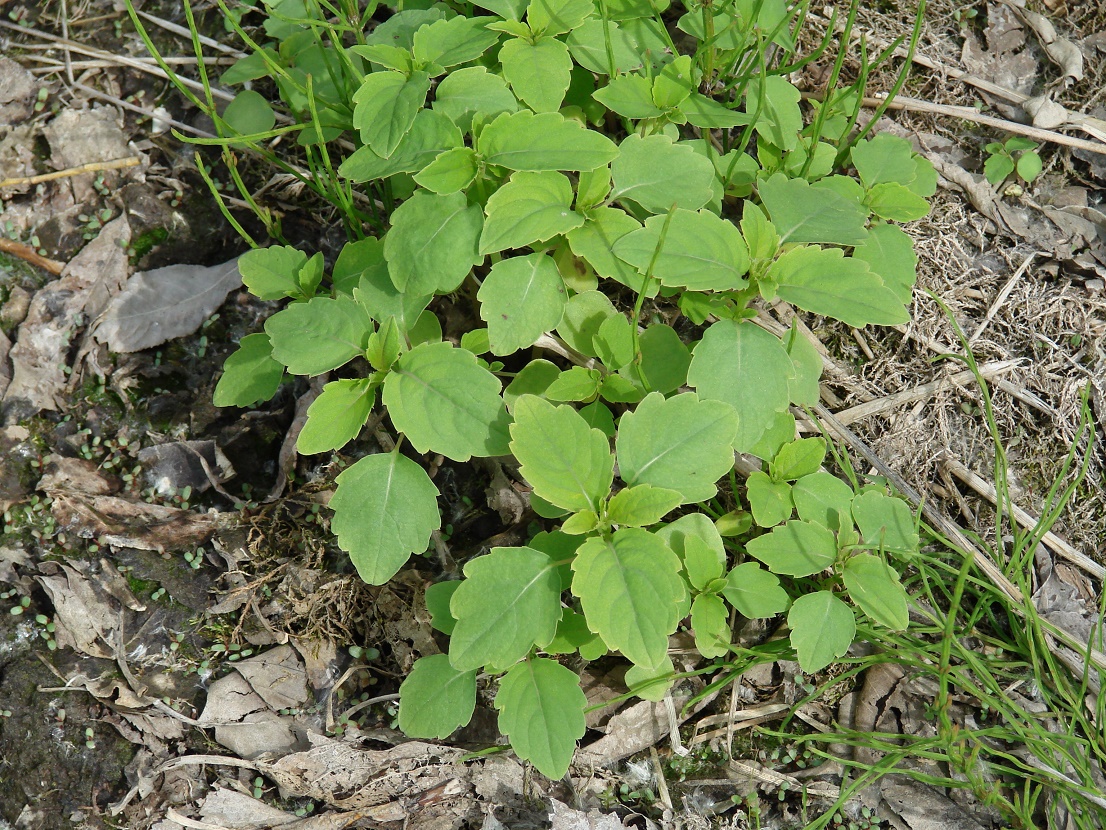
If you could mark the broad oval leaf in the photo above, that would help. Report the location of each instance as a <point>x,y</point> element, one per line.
<point>755,592</point>
<point>679,443</point>
<point>541,710</point>
<point>664,358</point>
<point>568,463</point>
<point>797,548</point>
<point>432,244</point>
<point>525,141</point>
<point>473,91</point>
<point>700,251</point>
<point>594,242</point>
<point>270,273</point>
<point>385,507</point>
<point>657,173</point>
<point>436,699</point>
<point>769,501</point>
<point>696,540</point>
<point>642,505</point>
<point>630,588</point>
<point>803,213</point>
<point>734,359</point>
<point>539,72</point>
<point>709,619</point>
<point>824,499</point>
<point>509,601</point>
<point>889,252</point>
<point>450,171</point>
<point>798,458</point>
<point>250,375</point>
<point>450,42</point>
<point>385,107</point>
<point>584,315</point>
<point>822,629</point>
<point>431,133</point>
<point>444,401</point>
<point>319,335</point>
<point>528,208</point>
<point>337,415</point>
<point>874,586</point>
<point>885,521</point>
<point>521,299</point>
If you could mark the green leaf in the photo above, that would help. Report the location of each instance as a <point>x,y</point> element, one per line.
<point>631,592</point>
<point>385,507</point>
<point>509,9</point>
<point>432,245</point>
<point>885,521</point>
<point>802,212</point>
<point>754,592</point>
<point>454,41</point>
<point>706,113</point>
<point>471,91</point>
<point>386,55</point>
<point>701,251</point>
<point>572,633</point>
<point>568,463</point>
<point>802,387</point>
<point>875,587</point>
<point>642,505</point>
<point>769,501</point>
<point>525,141</point>
<point>797,548</point>
<point>588,45</point>
<point>541,710</point>
<point>399,29</point>
<point>450,171</point>
<point>734,358</point>
<point>1029,166</point>
<point>521,299</point>
<point>657,173</point>
<point>696,540</point>
<point>651,683</point>
<point>249,113</point>
<point>337,415</point>
<point>431,134</point>
<point>631,96</point>
<point>621,388</point>
<point>435,699</point>
<point>476,341</point>
<point>575,384</point>
<point>585,521</point>
<point>526,607</point>
<point>615,342</point>
<point>270,273</point>
<point>709,622</point>
<point>779,430</point>
<point>822,629</point>
<point>823,499</point>
<point>533,379</point>
<point>583,316</point>
<point>798,458</point>
<point>997,168</point>
<point>386,103</point>
<point>539,73</point>
<point>680,443</point>
<point>760,235</point>
<point>897,203</point>
<point>249,68</point>
<point>594,242</point>
<point>592,188</point>
<point>664,358</point>
<point>444,401</point>
<point>437,599</point>
<point>529,208</point>
<point>598,417</point>
<point>779,120</point>
<point>250,375</point>
<point>319,335</point>
<point>674,83</point>
<point>889,252</point>
<point>884,159</point>
<point>555,17</point>
<point>825,281</point>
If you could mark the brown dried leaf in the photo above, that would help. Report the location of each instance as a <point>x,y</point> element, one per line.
<point>132,524</point>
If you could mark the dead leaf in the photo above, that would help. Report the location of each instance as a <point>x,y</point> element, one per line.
<point>75,475</point>
<point>922,807</point>
<point>166,303</point>
<point>17,88</point>
<point>277,676</point>
<point>1046,113</point>
<point>169,468</point>
<point>56,314</point>
<point>566,818</point>
<point>132,524</point>
<point>1062,51</point>
<point>85,615</point>
<point>238,811</point>
<point>243,723</point>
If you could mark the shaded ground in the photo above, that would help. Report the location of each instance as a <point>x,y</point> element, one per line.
<point>183,609</point>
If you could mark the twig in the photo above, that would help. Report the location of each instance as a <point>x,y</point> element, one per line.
<point>183,32</point>
<point>119,102</point>
<point>91,167</point>
<point>1002,296</point>
<point>29,254</point>
<point>1024,518</point>
<point>53,65</point>
<point>921,392</point>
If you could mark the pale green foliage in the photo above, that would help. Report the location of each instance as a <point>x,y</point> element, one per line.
<point>576,161</point>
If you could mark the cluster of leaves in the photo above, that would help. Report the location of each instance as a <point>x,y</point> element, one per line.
<point>554,158</point>
<point>1016,154</point>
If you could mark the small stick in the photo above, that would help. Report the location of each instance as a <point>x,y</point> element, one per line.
<point>53,65</point>
<point>183,32</point>
<point>921,392</point>
<point>1024,518</point>
<point>65,36</point>
<point>29,254</point>
<point>90,167</point>
<point>119,102</point>
<point>1002,296</point>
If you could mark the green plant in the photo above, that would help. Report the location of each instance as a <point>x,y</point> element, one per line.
<point>573,166</point>
<point>1016,153</point>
